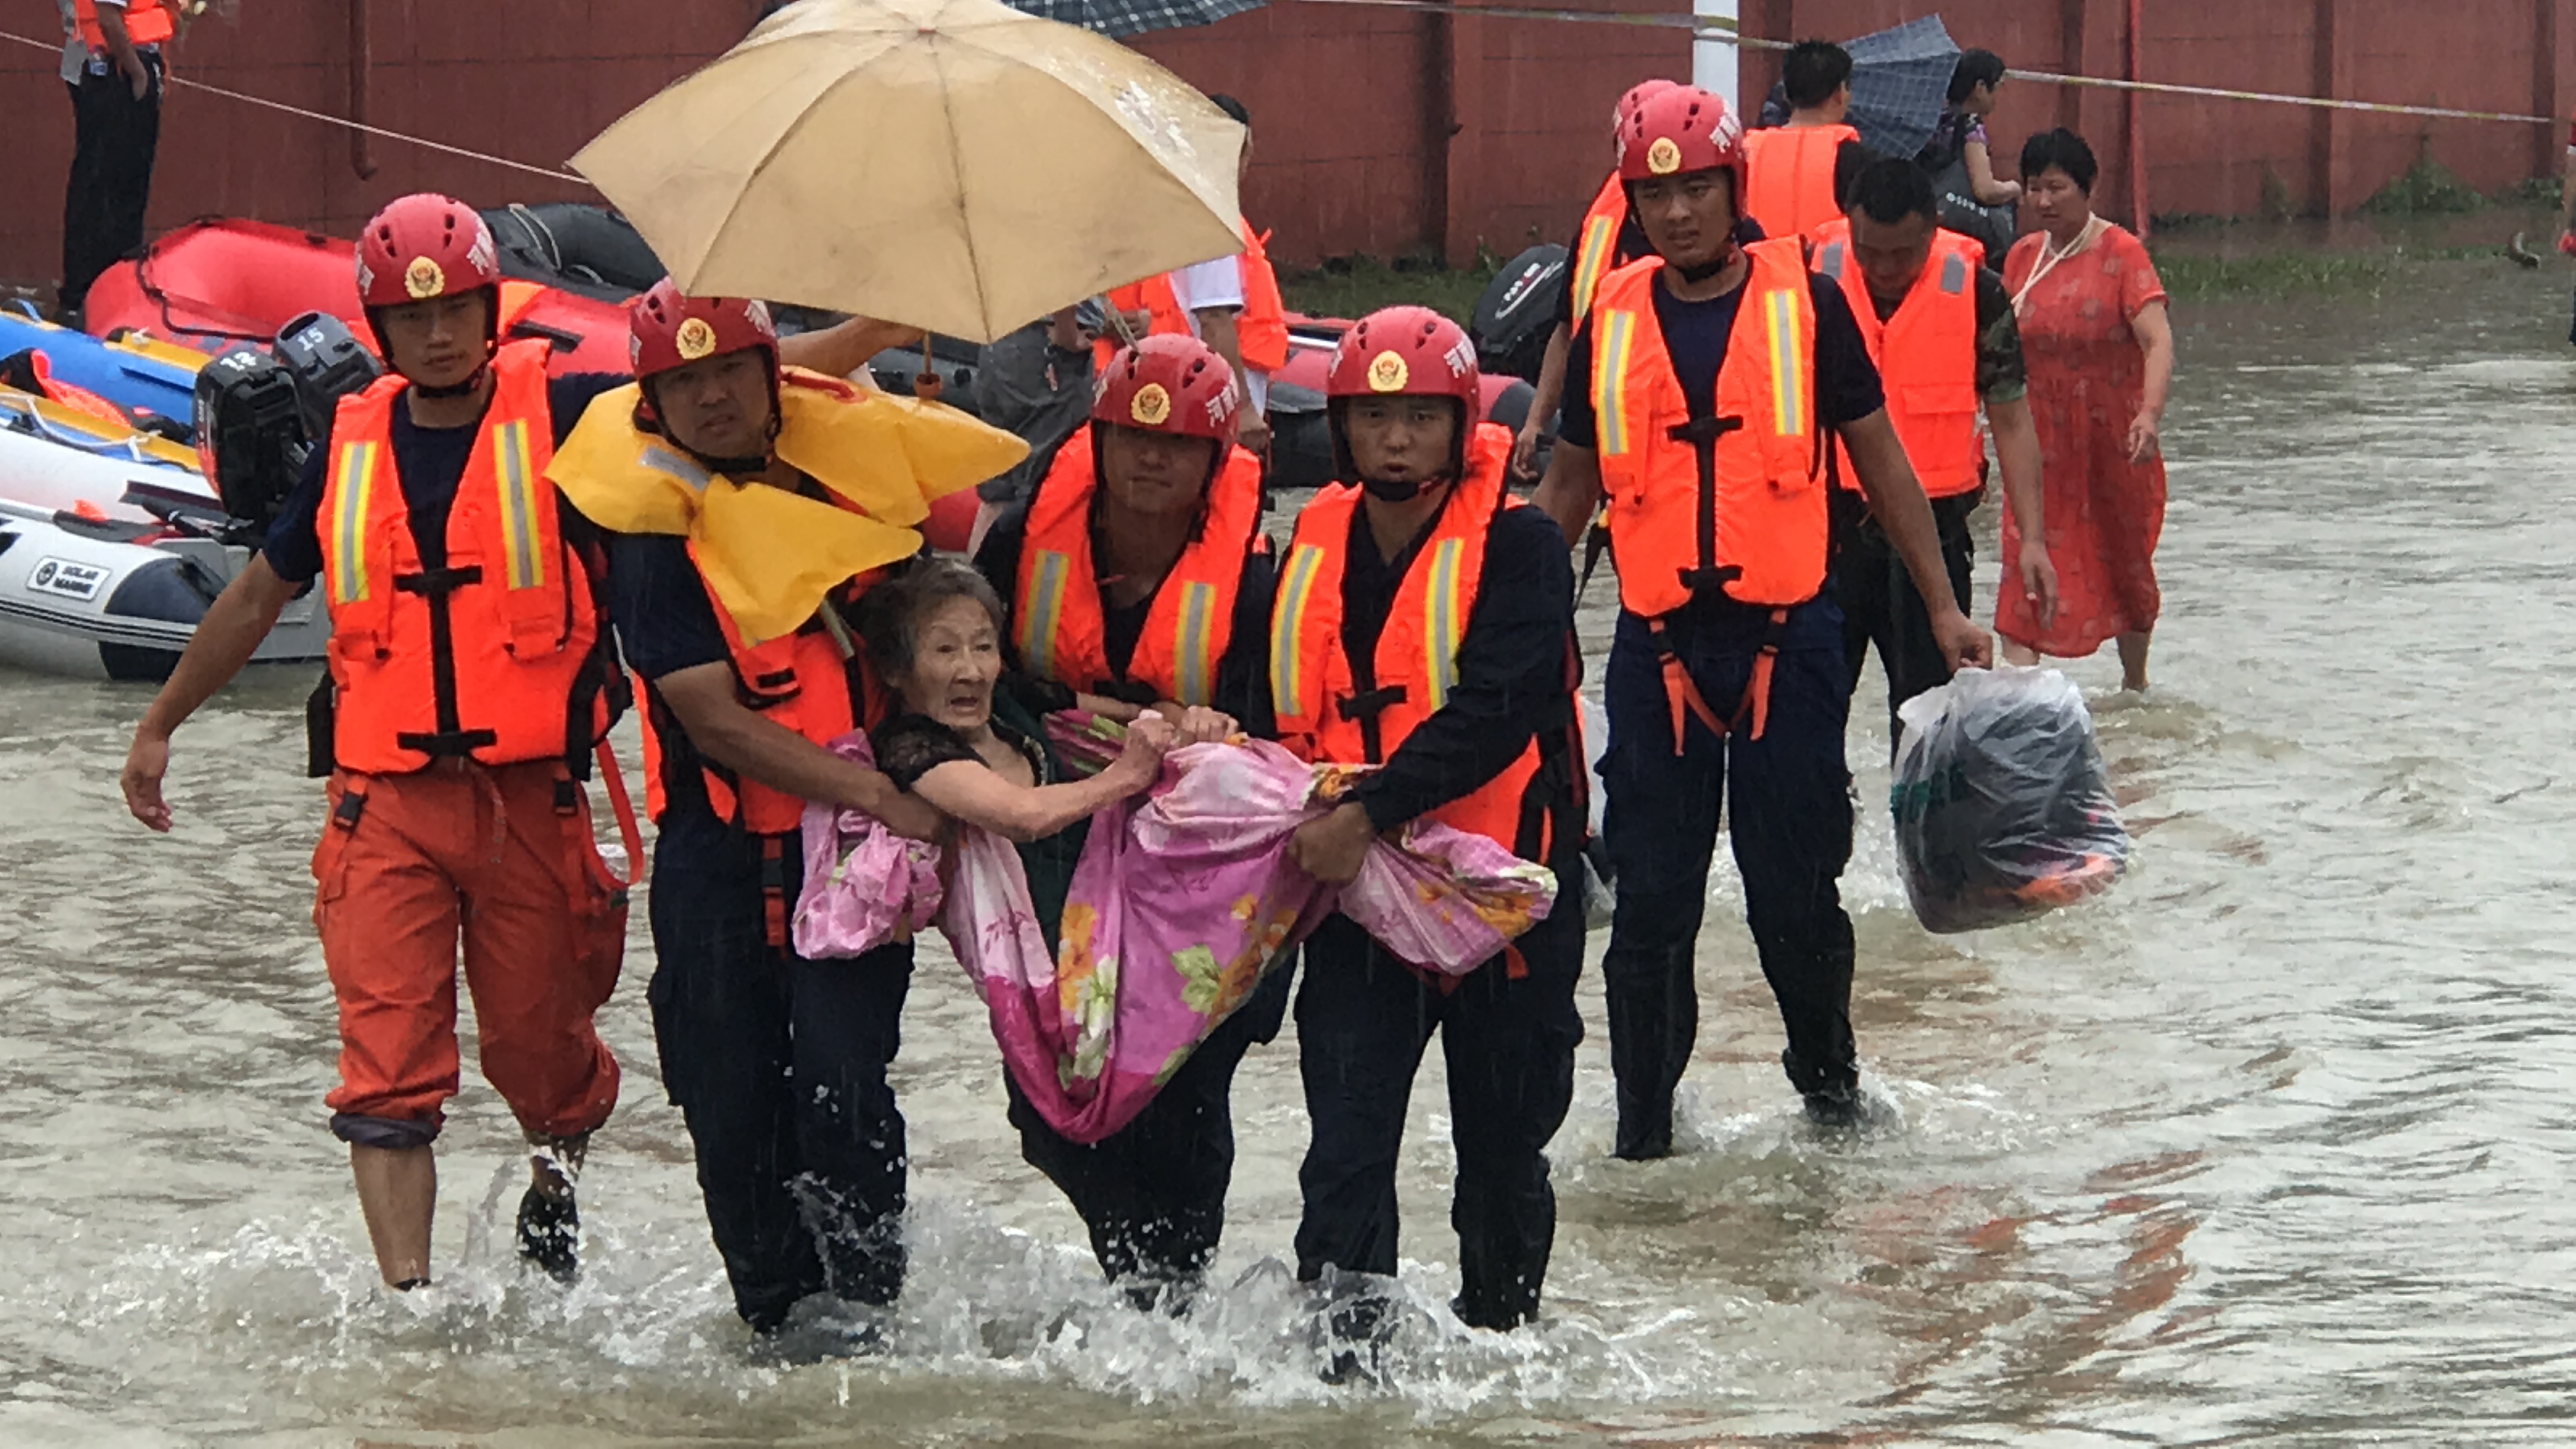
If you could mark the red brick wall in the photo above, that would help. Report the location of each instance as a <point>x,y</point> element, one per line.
<point>2210,157</point>
<point>1379,131</point>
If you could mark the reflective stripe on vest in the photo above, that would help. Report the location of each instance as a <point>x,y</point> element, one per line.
<point>1598,246</point>
<point>485,656</point>
<point>1927,359</point>
<point>1416,662</point>
<point>146,23</point>
<point>1770,506</point>
<point>1789,177</point>
<point>1060,625</point>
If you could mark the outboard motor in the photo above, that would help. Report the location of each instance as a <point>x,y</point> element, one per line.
<point>251,441</point>
<point>327,363</point>
<point>1519,312</point>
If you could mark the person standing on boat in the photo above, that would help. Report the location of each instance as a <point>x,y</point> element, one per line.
<point>752,506</point>
<point>1138,578</point>
<point>2094,326</point>
<point>1940,330</point>
<point>470,675</point>
<point>1698,400</point>
<point>116,112</point>
<point>1425,626</point>
<point>1789,169</point>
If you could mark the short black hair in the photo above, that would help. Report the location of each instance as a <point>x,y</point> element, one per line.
<point>2064,150</point>
<point>1851,158</point>
<point>891,614</point>
<point>1234,108</point>
<point>1975,68</point>
<point>1891,189</point>
<point>1814,71</point>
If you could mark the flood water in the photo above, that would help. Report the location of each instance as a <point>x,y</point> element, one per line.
<point>2267,1146</point>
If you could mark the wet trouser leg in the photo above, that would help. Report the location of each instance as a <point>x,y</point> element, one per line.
<point>1152,1194</point>
<point>1882,606</point>
<point>1660,828</point>
<point>409,866</point>
<point>1510,1051</point>
<point>778,1066</point>
<point>1792,837</point>
<point>1362,1021</point>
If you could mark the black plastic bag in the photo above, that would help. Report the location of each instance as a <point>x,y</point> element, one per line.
<point>2003,808</point>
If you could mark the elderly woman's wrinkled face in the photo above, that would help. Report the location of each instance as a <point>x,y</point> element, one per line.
<point>956,657</point>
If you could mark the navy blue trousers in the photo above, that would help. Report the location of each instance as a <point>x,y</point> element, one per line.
<point>1363,1020</point>
<point>1791,822</point>
<point>779,1066</point>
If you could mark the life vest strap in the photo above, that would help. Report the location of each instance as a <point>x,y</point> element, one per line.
<point>773,890</point>
<point>447,744</point>
<point>438,583</point>
<point>1369,704</point>
<point>1686,700</point>
<point>1702,433</point>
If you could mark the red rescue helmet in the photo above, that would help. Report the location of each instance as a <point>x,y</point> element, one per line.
<point>422,247</point>
<point>672,330</point>
<point>1638,94</point>
<point>1402,352</point>
<point>1679,131</point>
<point>1170,383</point>
<point>1405,351</point>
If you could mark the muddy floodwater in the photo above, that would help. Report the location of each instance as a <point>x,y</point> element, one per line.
<point>2271,1145</point>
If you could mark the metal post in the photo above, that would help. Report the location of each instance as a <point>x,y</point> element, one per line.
<point>1714,52</point>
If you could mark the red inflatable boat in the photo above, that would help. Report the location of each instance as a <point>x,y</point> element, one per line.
<point>221,281</point>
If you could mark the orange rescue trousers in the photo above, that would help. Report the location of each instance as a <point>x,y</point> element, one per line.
<point>502,857</point>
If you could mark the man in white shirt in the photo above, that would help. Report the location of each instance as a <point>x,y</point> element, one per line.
<point>1211,296</point>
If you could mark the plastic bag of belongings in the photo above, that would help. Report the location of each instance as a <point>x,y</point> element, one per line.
<point>2003,808</point>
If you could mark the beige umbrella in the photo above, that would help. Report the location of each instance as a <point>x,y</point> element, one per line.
<point>948,164</point>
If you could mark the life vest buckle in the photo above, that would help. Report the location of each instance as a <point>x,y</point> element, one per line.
<point>436,583</point>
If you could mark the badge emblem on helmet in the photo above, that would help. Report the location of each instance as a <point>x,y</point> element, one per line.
<point>1663,158</point>
<point>1150,406</point>
<point>1388,373</point>
<point>695,339</point>
<point>423,279</point>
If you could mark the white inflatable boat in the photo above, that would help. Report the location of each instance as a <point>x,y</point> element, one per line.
<point>111,549</point>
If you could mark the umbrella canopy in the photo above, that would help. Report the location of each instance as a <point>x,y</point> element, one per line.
<point>953,165</point>
<point>1900,84</point>
<point>1135,17</point>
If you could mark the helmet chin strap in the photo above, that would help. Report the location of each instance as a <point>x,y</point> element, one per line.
<point>1403,490</point>
<point>1708,269</point>
<point>454,389</point>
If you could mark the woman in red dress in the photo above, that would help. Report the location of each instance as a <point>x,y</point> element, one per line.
<point>2099,346</point>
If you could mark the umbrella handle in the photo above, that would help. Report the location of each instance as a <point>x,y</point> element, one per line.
<point>925,383</point>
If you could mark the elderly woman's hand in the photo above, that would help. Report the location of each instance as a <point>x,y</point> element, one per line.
<point>2145,439</point>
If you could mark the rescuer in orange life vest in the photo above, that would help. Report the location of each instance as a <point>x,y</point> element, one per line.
<point>1425,625</point>
<point>1940,328</point>
<point>1138,577</point>
<point>1607,240</point>
<point>753,505</point>
<point>470,676</point>
<point>1700,399</point>
<point>1789,169</point>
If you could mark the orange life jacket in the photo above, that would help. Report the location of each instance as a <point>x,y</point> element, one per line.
<point>1057,620</point>
<point>488,657</point>
<point>1758,525</point>
<point>146,23</point>
<point>1155,296</point>
<point>800,682</point>
<point>1926,356</point>
<point>1262,332</point>
<point>1789,177</point>
<point>1320,704</point>
<point>1596,250</point>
